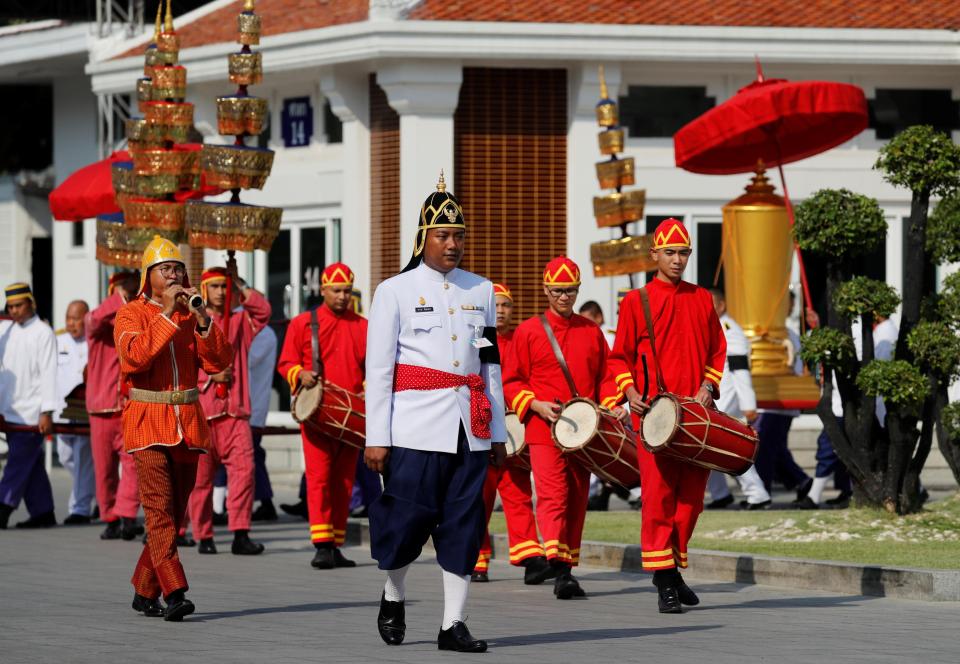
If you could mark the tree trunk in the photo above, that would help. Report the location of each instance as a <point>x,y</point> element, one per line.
<point>914,259</point>
<point>903,439</point>
<point>910,491</point>
<point>950,448</point>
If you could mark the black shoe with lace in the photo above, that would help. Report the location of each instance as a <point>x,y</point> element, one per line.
<point>479,577</point>
<point>537,570</point>
<point>178,607</point>
<point>686,596</point>
<point>244,546</point>
<point>77,520</point>
<point>296,509</point>
<point>207,546</point>
<point>323,558</point>
<point>342,561</point>
<point>842,500</point>
<point>805,503</point>
<point>391,621</point>
<point>566,585</point>
<point>720,503</point>
<point>459,639</point>
<point>112,531</point>
<point>45,520</point>
<point>129,529</point>
<point>151,608</point>
<point>668,600</point>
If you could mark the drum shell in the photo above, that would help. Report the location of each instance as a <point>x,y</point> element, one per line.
<point>520,457</point>
<point>339,415</point>
<point>610,453</point>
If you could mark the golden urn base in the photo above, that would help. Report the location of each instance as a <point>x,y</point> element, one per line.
<point>786,392</point>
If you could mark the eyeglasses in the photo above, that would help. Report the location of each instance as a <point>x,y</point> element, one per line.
<point>172,269</point>
<point>560,292</point>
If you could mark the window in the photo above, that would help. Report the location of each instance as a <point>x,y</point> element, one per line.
<point>76,238</point>
<point>658,111</point>
<point>892,111</point>
<point>279,290</point>
<point>332,126</point>
<point>313,255</point>
<point>707,254</point>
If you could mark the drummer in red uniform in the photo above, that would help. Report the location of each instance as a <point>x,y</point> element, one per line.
<point>341,337</point>
<point>535,388</point>
<point>513,481</point>
<point>691,351</point>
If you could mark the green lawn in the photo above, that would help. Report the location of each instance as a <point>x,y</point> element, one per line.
<point>930,539</point>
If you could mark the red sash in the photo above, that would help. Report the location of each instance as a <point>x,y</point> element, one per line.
<point>411,377</point>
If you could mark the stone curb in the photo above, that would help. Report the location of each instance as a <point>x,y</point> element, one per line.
<point>929,585</point>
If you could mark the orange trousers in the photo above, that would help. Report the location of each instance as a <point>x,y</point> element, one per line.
<point>165,478</point>
<point>516,493</point>
<point>563,486</point>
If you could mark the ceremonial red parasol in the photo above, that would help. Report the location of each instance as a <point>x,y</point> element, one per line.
<point>773,120</point>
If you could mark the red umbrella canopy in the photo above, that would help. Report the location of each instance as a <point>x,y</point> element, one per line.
<point>88,192</point>
<point>775,120</point>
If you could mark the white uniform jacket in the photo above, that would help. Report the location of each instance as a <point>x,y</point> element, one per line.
<point>736,386</point>
<point>430,319</point>
<point>28,371</point>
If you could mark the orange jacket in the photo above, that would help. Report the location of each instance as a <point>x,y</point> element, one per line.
<point>162,354</point>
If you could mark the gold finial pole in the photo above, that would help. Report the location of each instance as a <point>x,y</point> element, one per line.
<point>441,185</point>
<point>603,84</point>
<point>168,23</point>
<point>156,28</point>
<point>248,5</point>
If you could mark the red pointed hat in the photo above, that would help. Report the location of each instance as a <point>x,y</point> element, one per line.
<point>336,274</point>
<point>502,291</point>
<point>561,272</point>
<point>671,233</point>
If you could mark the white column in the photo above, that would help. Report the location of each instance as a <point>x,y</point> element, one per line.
<point>425,95</point>
<point>348,92</point>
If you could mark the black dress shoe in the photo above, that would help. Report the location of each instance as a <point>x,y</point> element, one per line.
<point>537,570</point>
<point>77,520</point>
<point>207,546</point>
<point>805,503</point>
<point>112,531</point>
<point>185,541</point>
<point>668,600</point>
<point>151,608</point>
<point>459,639</point>
<point>129,529</point>
<point>721,503</point>
<point>479,577</point>
<point>842,500</point>
<point>804,488</point>
<point>297,509</point>
<point>324,559</point>
<point>342,561</point>
<point>178,607</point>
<point>566,586</point>
<point>750,507</point>
<point>391,621</point>
<point>265,512</point>
<point>686,596</point>
<point>244,546</point>
<point>5,512</point>
<point>220,518</point>
<point>45,520</point>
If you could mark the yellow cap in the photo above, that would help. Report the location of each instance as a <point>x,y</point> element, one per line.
<point>160,250</point>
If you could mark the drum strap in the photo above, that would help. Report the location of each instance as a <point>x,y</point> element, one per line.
<point>559,355</point>
<point>317,362</point>
<point>645,299</point>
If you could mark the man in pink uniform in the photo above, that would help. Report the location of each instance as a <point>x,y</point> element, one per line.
<point>115,471</point>
<point>225,398</point>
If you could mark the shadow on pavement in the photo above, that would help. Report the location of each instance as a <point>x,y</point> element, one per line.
<point>293,608</point>
<point>572,636</point>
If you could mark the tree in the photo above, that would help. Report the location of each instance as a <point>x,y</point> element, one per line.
<point>885,461</point>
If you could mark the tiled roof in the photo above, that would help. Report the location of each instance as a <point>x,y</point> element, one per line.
<point>898,14</point>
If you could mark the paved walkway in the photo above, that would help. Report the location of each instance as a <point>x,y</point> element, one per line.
<point>64,597</point>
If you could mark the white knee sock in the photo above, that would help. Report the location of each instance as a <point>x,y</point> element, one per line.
<point>816,489</point>
<point>395,590</point>
<point>455,589</point>
<point>219,498</point>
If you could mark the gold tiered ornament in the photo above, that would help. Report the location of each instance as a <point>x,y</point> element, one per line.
<point>628,254</point>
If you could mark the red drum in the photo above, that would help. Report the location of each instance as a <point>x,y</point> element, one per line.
<point>333,411</point>
<point>597,440</point>
<point>517,451</point>
<point>687,430</point>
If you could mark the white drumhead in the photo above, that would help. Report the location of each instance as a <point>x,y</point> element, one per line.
<point>660,422</point>
<point>577,424</point>
<point>306,402</point>
<point>516,434</point>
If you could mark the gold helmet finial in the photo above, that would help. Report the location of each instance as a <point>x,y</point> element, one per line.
<point>603,84</point>
<point>248,5</point>
<point>156,28</point>
<point>441,185</point>
<point>168,23</point>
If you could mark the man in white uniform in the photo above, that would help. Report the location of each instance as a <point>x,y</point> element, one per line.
<point>72,449</point>
<point>737,399</point>
<point>435,416</point>
<point>28,397</point>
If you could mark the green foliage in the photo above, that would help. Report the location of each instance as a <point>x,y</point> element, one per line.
<point>949,301</point>
<point>936,347</point>
<point>943,230</point>
<point>829,347</point>
<point>862,295</point>
<point>951,421</point>
<point>921,159</point>
<point>839,223</point>
<point>897,382</point>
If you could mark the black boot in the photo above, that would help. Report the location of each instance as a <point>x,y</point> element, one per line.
<point>244,546</point>
<point>537,570</point>
<point>178,606</point>
<point>207,546</point>
<point>686,596</point>
<point>391,621</point>
<point>324,557</point>
<point>340,560</point>
<point>565,586</point>
<point>459,639</point>
<point>45,520</point>
<point>151,608</point>
<point>5,512</point>
<point>297,509</point>
<point>129,529</point>
<point>112,531</point>
<point>265,511</point>
<point>668,599</point>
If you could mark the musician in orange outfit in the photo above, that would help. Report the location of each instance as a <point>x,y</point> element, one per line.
<point>341,342</point>
<point>691,350</point>
<point>163,341</point>
<point>513,481</point>
<point>225,398</point>
<point>536,388</point>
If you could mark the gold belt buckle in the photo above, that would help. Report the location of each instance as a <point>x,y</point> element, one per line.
<point>176,397</point>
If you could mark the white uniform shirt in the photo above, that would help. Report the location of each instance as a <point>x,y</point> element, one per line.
<point>262,363</point>
<point>28,371</point>
<point>736,386</point>
<point>71,361</point>
<point>884,344</point>
<point>429,319</point>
